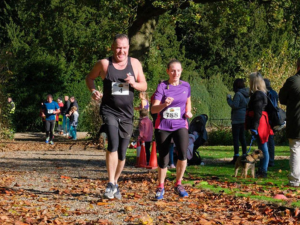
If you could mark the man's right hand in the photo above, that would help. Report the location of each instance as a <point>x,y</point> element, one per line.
<point>96,95</point>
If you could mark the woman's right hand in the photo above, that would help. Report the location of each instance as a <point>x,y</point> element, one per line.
<point>169,101</point>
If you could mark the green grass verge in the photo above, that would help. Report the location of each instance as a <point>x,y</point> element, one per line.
<point>218,177</point>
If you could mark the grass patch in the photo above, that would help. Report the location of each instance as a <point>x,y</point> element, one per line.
<point>218,177</point>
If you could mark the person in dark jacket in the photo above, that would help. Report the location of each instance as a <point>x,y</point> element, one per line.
<point>66,121</point>
<point>273,96</point>
<point>257,120</point>
<point>289,95</point>
<point>73,102</point>
<point>238,112</point>
<point>11,106</point>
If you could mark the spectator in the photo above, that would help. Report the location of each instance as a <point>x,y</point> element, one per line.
<point>238,112</point>
<point>59,117</point>
<point>144,101</point>
<point>289,95</point>
<point>146,132</point>
<point>66,121</point>
<point>257,120</point>
<point>73,102</point>
<point>73,122</point>
<point>11,106</point>
<point>273,96</point>
<point>171,155</point>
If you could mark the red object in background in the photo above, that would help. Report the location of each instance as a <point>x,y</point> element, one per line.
<point>153,157</point>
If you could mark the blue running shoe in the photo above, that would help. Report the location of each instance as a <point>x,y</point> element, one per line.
<point>181,191</point>
<point>47,140</point>
<point>159,193</point>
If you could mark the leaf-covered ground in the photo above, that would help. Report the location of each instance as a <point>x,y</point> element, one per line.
<point>63,184</point>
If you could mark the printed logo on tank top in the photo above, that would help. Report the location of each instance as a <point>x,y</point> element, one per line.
<point>172,113</point>
<point>119,88</point>
<point>50,111</point>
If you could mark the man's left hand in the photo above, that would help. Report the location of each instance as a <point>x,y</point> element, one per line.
<point>130,80</point>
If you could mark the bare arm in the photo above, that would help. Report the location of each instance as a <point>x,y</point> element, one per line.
<point>99,69</point>
<point>188,108</point>
<point>144,103</point>
<point>157,106</point>
<point>57,111</point>
<point>140,84</point>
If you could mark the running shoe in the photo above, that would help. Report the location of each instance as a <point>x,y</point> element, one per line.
<point>117,195</point>
<point>47,140</point>
<point>159,193</point>
<point>181,191</point>
<point>51,143</point>
<point>110,191</point>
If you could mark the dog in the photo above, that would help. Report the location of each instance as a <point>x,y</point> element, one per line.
<point>248,162</point>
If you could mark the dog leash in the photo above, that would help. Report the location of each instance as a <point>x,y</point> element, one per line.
<point>252,139</point>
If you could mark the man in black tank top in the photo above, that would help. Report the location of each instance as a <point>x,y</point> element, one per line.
<point>120,75</point>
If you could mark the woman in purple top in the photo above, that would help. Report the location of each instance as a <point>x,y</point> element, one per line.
<point>172,102</point>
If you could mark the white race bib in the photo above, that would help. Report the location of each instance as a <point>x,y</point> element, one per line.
<point>50,111</point>
<point>119,88</point>
<point>172,113</point>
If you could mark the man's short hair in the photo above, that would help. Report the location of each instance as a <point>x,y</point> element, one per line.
<point>143,112</point>
<point>49,95</point>
<point>120,36</point>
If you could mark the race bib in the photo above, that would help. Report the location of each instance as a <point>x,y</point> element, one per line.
<point>172,113</point>
<point>50,111</point>
<point>119,88</point>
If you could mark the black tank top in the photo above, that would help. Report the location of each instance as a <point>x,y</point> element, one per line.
<point>117,95</point>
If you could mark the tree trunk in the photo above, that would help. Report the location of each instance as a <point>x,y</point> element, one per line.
<point>141,31</point>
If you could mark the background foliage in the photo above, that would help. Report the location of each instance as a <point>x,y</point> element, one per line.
<point>49,47</point>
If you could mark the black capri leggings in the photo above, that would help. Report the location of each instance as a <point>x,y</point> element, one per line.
<point>49,127</point>
<point>163,140</point>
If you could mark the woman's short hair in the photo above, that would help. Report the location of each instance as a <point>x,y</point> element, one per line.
<point>238,84</point>
<point>257,83</point>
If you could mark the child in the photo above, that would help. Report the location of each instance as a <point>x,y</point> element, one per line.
<point>146,131</point>
<point>73,122</point>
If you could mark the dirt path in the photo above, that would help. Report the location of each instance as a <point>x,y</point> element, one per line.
<point>64,183</point>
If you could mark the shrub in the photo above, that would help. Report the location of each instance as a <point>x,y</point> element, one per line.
<point>200,97</point>
<point>92,119</point>
<point>218,106</point>
<point>220,136</point>
<point>280,138</point>
<point>223,136</point>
